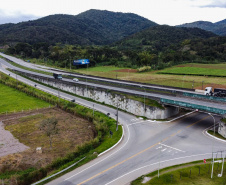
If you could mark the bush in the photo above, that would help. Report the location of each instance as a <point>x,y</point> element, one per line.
<point>100,120</point>
<point>144,69</point>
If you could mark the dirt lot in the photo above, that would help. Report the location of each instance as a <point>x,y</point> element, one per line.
<point>25,127</point>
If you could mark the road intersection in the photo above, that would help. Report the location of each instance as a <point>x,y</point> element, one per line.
<point>146,146</point>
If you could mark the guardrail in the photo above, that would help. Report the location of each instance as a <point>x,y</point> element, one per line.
<point>193,106</point>
<point>58,172</point>
<point>205,97</point>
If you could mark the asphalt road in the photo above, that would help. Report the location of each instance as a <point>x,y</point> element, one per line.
<point>146,146</point>
<point>187,100</point>
<point>149,146</point>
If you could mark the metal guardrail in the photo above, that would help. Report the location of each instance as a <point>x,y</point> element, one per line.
<point>58,172</point>
<point>204,97</point>
<point>193,106</point>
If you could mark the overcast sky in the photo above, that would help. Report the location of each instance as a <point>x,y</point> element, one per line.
<point>171,12</point>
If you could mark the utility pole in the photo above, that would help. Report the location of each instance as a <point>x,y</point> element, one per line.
<point>117,118</point>
<point>93,110</point>
<point>16,81</point>
<point>70,62</point>
<point>86,79</point>
<point>58,93</point>
<point>144,98</point>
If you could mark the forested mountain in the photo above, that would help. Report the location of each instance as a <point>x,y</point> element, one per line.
<point>93,27</point>
<point>218,28</point>
<point>158,38</point>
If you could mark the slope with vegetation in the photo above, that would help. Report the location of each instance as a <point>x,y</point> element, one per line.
<point>218,28</point>
<point>93,27</point>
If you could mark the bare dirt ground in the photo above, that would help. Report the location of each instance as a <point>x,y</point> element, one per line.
<point>9,144</point>
<point>20,136</point>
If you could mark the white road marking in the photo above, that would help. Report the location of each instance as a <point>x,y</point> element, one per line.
<point>151,121</point>
<point>172,147</point>
<point>159,147</point>
<point>155,164</point>
<point>136,123</point>
<point>164,149</point>
<point>102,159</point>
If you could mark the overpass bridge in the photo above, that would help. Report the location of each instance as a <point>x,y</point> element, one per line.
<point>176,97</point>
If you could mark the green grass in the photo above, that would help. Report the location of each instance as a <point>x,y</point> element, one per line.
<point>223,120</point>
<point>186,174</point>
<point>197,69</point>
<point>101,68</point>
<point>13,100</point>
<point>216,134</point>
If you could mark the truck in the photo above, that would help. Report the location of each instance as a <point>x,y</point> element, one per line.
<point>218,92</point>
<point>57,76</point>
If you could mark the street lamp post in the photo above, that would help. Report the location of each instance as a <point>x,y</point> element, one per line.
<point>144,99</point>
<point>86,79</point>
<point>212,144</point>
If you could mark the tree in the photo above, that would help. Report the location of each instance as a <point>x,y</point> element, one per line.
<point>49,126</point>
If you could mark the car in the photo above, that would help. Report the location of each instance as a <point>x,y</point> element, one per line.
<point>75,79</point>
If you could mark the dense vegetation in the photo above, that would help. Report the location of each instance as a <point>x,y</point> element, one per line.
<point>218,28</point>
<point>158,38</point>
<point>210,50</point>
<point>108,38</point>
<point>99,144</point>
<point>93,27</point>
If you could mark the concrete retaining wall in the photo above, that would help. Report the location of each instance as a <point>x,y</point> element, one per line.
<point>222,129</point>
<point>105,96</point>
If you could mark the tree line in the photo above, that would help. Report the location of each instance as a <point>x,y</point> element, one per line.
<point>211,50</point>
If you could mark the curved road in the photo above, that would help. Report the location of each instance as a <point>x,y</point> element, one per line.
<point>186,100</point>
<point>146,146</point>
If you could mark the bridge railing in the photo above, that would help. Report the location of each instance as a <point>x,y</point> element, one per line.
<point>193,106</point>
<point>204,97</point>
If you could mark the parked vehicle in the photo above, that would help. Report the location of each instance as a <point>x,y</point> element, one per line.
<point>57,76</point>
<point>218,92</point>
<point>75,79</point>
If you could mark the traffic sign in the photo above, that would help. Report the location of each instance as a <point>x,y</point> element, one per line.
<point>204,160</point>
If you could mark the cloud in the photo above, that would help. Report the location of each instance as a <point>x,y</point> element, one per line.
<point>15,17</point>
<point>215,4</point>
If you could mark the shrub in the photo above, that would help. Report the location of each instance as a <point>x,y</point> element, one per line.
<point>144,69</point>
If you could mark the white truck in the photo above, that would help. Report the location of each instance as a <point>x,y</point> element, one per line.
<point>218,92</point>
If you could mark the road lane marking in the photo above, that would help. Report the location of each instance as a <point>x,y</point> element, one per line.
<point>119,163</point>
<point>172,147</point>
<point>155,164</point>
<point>136,123</point>
<point>129,157</point>
<point>102,159</point>
<point>197,122</point>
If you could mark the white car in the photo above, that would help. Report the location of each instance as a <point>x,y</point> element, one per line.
<point>75,79</point>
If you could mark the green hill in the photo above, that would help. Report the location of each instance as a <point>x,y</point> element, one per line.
<point>93,27</point>
<point>218,28</point>
<point>158,38</point>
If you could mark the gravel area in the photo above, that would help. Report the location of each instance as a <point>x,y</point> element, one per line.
<point>9,144</point>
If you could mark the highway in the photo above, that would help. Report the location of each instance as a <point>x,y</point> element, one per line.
<point>146,145</point>
<point>52,70</point>
<point>186,100</point>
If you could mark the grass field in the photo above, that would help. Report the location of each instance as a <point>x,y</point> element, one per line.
<point>188,174</point>
<point>191,75</point>
<point>101,69</point>
<point>197,69</point>
<point>175,80</point>
<point>13,100</point>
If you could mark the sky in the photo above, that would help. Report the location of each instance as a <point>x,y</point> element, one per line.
<point>170,12</point>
